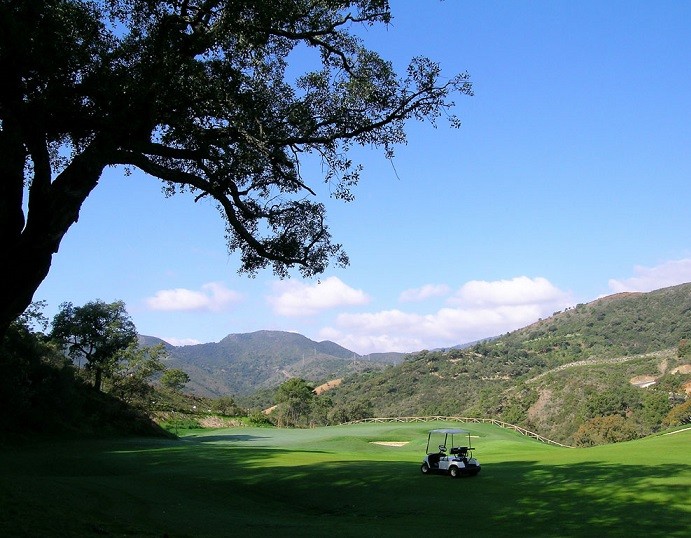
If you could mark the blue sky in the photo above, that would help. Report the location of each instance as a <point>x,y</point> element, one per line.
<point>568,180</point>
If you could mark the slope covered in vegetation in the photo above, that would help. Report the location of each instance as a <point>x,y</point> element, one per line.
<point>241,364</point>
<point>570,377</point>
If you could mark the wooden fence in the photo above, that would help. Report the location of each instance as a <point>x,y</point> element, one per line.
<point>496,422</point>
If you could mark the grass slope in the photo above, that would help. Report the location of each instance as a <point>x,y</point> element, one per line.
<point>335,481</point>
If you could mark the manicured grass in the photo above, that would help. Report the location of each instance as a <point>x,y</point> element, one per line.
<point>336,482</point>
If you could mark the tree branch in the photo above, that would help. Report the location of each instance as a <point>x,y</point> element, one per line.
<point>185,178</point>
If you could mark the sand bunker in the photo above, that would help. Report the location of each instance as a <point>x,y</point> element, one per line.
<point>390,443</point>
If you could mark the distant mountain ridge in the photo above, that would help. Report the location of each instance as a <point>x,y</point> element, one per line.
<point>242,363</point>
<point>623,324</point>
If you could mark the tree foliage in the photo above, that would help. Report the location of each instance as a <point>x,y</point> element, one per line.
<point>96,332</point>
<point>36,381</point>
<point>175,379</point>
<point>197,94</point>
<point>132,373</point>
<point>294,399</point>
<point>40,393</point>
<point>605,429</point>
<point>680,414</point>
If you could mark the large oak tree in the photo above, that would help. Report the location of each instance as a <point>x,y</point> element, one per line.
<point>97,332</point>
<point>195,93</point>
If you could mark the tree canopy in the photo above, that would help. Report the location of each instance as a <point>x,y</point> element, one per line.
<point>175,379</point>
<point>96,332</point>
<point>197,94</point>
<point>294,398</point>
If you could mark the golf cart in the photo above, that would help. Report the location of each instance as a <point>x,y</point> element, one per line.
<point>459,460</point>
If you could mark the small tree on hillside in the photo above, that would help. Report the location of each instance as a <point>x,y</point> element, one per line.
<point>604,430</point>
<point>225,405</point>
<point>131,376</point>
<point>95,332</point>
<point>36,380</point>
<point>294,399</point>
<point>174,379</point>
<point>349,411</point>
<point>656,406</point>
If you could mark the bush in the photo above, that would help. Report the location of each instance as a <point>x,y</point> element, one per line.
<point>226,406</point>
<point>258,418</point>
<point>38,389</point>
<point>175,422</point>
<point>349,412</point>
<point>680,414</point>
<point>604,430</point>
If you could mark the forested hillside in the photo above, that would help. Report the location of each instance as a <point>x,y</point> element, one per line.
<point>613,369</point>
<point>570,377</point>
<point>241,364</point>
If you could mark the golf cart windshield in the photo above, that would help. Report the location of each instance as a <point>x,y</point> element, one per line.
<point>440,439</point>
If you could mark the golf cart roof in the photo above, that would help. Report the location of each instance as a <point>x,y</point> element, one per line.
<point>448,430</point>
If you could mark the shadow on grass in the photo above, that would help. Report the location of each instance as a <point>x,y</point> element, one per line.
<point>589,498</point>
<point>512,499</point>
<point>201,489</point>
<point>506,499</point>
<point>222,438</point>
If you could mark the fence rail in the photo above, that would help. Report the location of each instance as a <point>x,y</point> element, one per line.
<point>438,418</point>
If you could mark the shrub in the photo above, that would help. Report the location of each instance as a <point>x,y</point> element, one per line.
<point>258,418</point>
<point>680,414</point>
<point>603,430</point>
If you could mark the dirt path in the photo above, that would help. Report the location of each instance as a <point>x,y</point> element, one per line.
<point>679,431</point>
<point>595,362</point>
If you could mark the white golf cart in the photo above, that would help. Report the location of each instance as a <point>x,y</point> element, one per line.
<point>459,460</point>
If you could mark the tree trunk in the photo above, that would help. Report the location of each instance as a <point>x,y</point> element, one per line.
<point>98,377</point>
<point>52,208</point>
<point>24,269</point>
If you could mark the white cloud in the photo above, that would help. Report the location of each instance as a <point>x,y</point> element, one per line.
<point>479,310</point>
<point>293,298</point>
<point>425,292</point>
<point>213,297</point>
<point>181,341</point>
<point>517,291</point>
<point>664,275</point>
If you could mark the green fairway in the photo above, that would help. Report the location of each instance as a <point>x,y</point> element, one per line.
<point>336,481</point>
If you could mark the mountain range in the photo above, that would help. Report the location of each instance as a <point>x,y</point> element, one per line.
<point>241,364</point>
<point>626,355</point>
<point>620,324</point>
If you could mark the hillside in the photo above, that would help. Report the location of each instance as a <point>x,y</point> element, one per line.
<point>617,364</point>
<point>621,324</point>
<point>241,364</point>
<point>555,375</point>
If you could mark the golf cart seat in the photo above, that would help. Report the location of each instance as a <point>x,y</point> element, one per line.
<point>434,460</point>
<point>461,451</point>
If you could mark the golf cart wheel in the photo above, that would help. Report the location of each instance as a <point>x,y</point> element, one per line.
<point>424,468</point>
<point>454,472</point>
